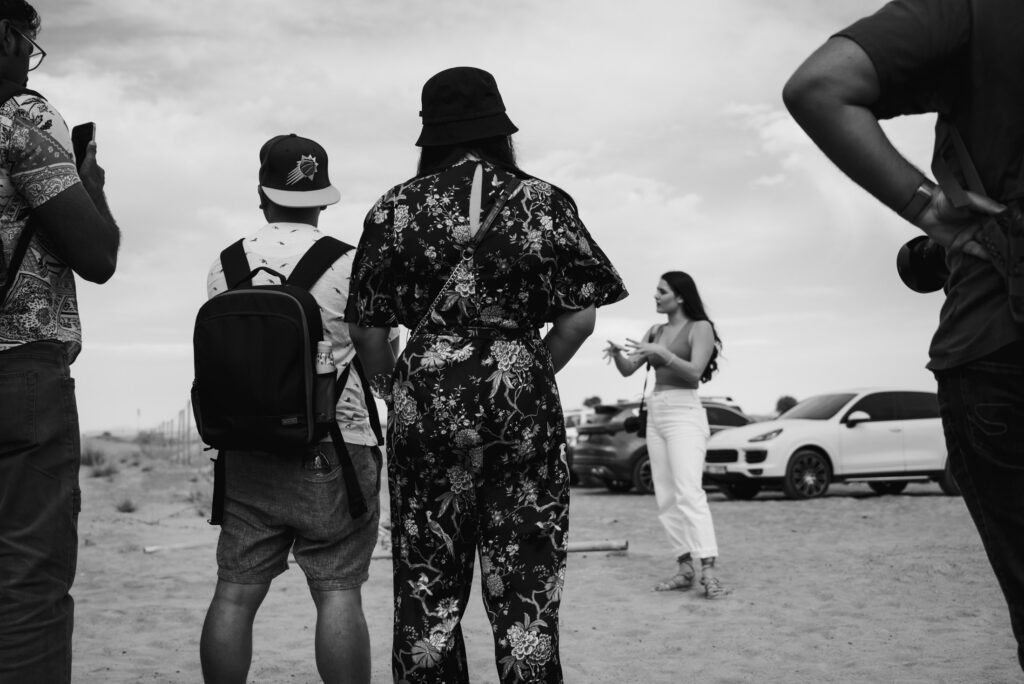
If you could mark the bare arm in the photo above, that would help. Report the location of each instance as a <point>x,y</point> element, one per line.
<point>79,223</point>
<point>702,344</point>
<point>830,96</point>
<point>376,354</point>
<point>568,333</point>
<point>626,365</point>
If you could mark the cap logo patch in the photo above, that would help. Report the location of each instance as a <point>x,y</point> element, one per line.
<point>304,168</point>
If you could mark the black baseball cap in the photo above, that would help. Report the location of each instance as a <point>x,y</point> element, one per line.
<point>293,172</point>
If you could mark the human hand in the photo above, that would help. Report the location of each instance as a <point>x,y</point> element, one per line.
<point>646,351</point>
<point>92,174</point>
<point>953,228</point>
<point>611,351</point>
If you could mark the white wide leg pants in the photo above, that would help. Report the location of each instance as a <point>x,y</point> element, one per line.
<point>677,433</point>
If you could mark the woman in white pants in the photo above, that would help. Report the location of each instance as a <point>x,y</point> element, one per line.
<point>683,353</point>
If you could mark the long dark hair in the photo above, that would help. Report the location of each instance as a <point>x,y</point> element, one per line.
<point>693,306</point>
<point>498,150</point>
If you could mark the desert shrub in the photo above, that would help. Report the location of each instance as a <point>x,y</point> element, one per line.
<point>105,471</point>
<point>126,505</point>
<point>91,456</point>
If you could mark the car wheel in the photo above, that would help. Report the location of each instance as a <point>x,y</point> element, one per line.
<point>740,491</point>
<point>884,488</point>
<point>642,479</point>
<point>618,485</point>
<point>808,475</point>
<point>947,484</point>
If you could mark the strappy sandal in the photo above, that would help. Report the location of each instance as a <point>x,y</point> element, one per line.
<point>713,588</point>
<point>681,581</point>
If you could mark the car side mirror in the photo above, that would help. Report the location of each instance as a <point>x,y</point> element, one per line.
<point>856,418</point>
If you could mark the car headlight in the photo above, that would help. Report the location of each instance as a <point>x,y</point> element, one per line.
<point>766,436</point>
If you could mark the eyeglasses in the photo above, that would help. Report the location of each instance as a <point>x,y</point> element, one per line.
<point>38,53</point>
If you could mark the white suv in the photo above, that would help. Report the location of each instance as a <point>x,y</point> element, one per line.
<point>885,437</point>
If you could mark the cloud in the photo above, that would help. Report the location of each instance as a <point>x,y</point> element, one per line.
<point>661,118</point>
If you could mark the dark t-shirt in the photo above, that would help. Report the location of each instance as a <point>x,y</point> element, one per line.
<point>961,59</point>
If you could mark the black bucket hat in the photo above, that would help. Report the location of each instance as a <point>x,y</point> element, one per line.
<point>462,104</point>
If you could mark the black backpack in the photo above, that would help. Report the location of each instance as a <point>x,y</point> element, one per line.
<point>254,348</point>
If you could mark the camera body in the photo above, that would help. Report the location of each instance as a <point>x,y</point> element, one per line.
<point>637,423</point>
<point>921,265</point>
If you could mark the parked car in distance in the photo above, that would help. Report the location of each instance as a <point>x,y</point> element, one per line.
<point>573,419</point>
<point>606,452</point>
<point>882,436</point>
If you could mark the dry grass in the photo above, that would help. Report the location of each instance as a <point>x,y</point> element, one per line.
<point>93,457</point>
<point>107,471</point>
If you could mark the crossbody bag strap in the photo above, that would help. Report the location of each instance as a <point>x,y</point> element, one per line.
<point>507,192</point>
<point>952,152</point>
<point>647,374</point>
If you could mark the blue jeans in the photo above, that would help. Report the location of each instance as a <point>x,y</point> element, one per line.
<point>982,406</point>
<point>39,504</point>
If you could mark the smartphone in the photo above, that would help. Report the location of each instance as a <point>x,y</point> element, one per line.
<point>81,136</point>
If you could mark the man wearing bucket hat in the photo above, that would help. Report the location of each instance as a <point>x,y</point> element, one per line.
<point>276,503</point>
<point>474,256</point>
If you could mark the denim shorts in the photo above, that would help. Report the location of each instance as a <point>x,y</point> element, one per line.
<point>276,503</point>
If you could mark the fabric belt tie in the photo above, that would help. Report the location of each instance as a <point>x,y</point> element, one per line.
<point>485,333</point>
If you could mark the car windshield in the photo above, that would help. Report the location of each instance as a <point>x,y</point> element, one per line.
<point>821,407</point>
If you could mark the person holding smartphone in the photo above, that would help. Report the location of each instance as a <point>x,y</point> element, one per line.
<point>54,224</point>
<point>683,352</point>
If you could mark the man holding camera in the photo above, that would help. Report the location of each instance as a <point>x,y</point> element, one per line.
<point>961,59</point>
<point>54,222</point>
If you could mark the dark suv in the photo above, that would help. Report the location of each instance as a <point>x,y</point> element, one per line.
<point>605,452</point>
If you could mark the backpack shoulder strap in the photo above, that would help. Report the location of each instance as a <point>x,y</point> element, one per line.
<point>9,89</point>
<point>371,403</point>
<point>236,265</point>
<point>17,256</point>
<point>317,259</point>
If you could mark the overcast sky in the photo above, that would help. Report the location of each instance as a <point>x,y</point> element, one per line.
<point>663,119</point>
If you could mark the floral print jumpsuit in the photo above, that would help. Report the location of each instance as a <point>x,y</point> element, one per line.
<point>476,439</point>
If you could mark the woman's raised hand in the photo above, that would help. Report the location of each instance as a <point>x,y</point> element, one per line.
<point>612,350</point>
<point>646,351</point>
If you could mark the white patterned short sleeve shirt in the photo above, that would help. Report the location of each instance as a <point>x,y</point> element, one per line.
<point>279,246</point>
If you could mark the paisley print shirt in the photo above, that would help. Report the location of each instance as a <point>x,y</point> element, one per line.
<point>36,165</point>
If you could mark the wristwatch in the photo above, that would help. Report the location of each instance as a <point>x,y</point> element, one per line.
<point>921,198</point>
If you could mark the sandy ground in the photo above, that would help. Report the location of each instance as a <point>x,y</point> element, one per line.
<point>850,588</point>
